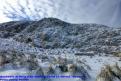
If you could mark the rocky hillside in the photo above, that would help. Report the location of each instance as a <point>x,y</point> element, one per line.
<point>50,33</point>
<point>54,47</point>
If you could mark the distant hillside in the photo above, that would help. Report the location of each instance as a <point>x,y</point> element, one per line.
<point>54,33</point>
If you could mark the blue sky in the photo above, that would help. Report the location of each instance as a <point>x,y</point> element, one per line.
<point>107,12</point>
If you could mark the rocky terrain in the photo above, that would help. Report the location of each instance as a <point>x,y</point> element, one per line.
<point>54,47</point>
<point>54,33</point>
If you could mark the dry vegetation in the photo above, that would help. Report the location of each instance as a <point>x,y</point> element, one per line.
<point>117,54</point>
<point>56,65</point>
<point>110,73</point>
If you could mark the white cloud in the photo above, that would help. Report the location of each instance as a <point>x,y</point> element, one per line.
<point>91,11</point>
<point>75,11</point>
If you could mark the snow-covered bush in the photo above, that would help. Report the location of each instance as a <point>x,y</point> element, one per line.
<point>110,73</point>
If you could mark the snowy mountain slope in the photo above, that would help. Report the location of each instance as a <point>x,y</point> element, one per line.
<point>54,33</point>
<point>53,47</point>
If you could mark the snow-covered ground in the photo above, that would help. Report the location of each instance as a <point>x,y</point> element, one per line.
<point>96,63</point>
